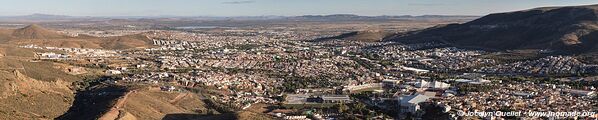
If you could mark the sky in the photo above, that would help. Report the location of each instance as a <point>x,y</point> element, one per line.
<point>272,7</point>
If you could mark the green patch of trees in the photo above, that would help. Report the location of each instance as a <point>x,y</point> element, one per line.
<point>466,88</point>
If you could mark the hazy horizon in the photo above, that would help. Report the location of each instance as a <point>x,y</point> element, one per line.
<point>34,14</point>
<point>227,8</point>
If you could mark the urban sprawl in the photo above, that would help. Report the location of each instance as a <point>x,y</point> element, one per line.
<point>342,79</point>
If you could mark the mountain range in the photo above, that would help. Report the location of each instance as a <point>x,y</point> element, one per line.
<point>571,29</point>
<point>343,17</point>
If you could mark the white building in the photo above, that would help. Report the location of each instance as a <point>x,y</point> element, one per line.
<point>473,81</point>
<point>432,85</point>
<point>51,55</point>
<point>300,117</point>
<point>113,72</point>
<point>410,104</point>
<point>415,70</point>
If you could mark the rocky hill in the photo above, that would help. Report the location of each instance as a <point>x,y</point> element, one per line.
<point>155,104</point>
<point>22,97</point>
<point>571,29</point>
<point>142,103</point>
<point>35,34</point>
<point>32,90</point>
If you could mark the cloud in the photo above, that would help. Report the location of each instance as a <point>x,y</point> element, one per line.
<point>239,2</point>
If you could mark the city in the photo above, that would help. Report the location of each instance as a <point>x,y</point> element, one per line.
<point>294,68</point>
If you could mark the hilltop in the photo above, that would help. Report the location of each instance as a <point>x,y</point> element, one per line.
<point>38,35</point>
<point>148,103</point>
<point>35,31</point>
<point>571,29</point>
<point>352,17</point>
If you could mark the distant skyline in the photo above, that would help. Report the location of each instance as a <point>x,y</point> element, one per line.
<point>272,7</point>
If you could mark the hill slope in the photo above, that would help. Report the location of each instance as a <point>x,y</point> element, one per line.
<point>152,105</point>
<point>32,90</point>
<point>35,34</point>
<point>24,98</point>
<point>569,29</point>
<point>362,36</point>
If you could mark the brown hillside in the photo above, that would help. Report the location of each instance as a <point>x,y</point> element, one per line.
<point>30,89</point>
<point>22,97</point>
<point>571,29</point>
<point>36,32</point>
<point>153,104</point>
<point>5,35</point>
<point>14,58</point>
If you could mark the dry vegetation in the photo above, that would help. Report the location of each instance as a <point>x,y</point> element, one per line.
<point>38,35</point>
<point>155,104</point>
<point>32,90</point>
<point>22,97</point>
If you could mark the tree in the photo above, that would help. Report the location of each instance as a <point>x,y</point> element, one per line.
<point>360,107</point>
<point>341,108</point>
